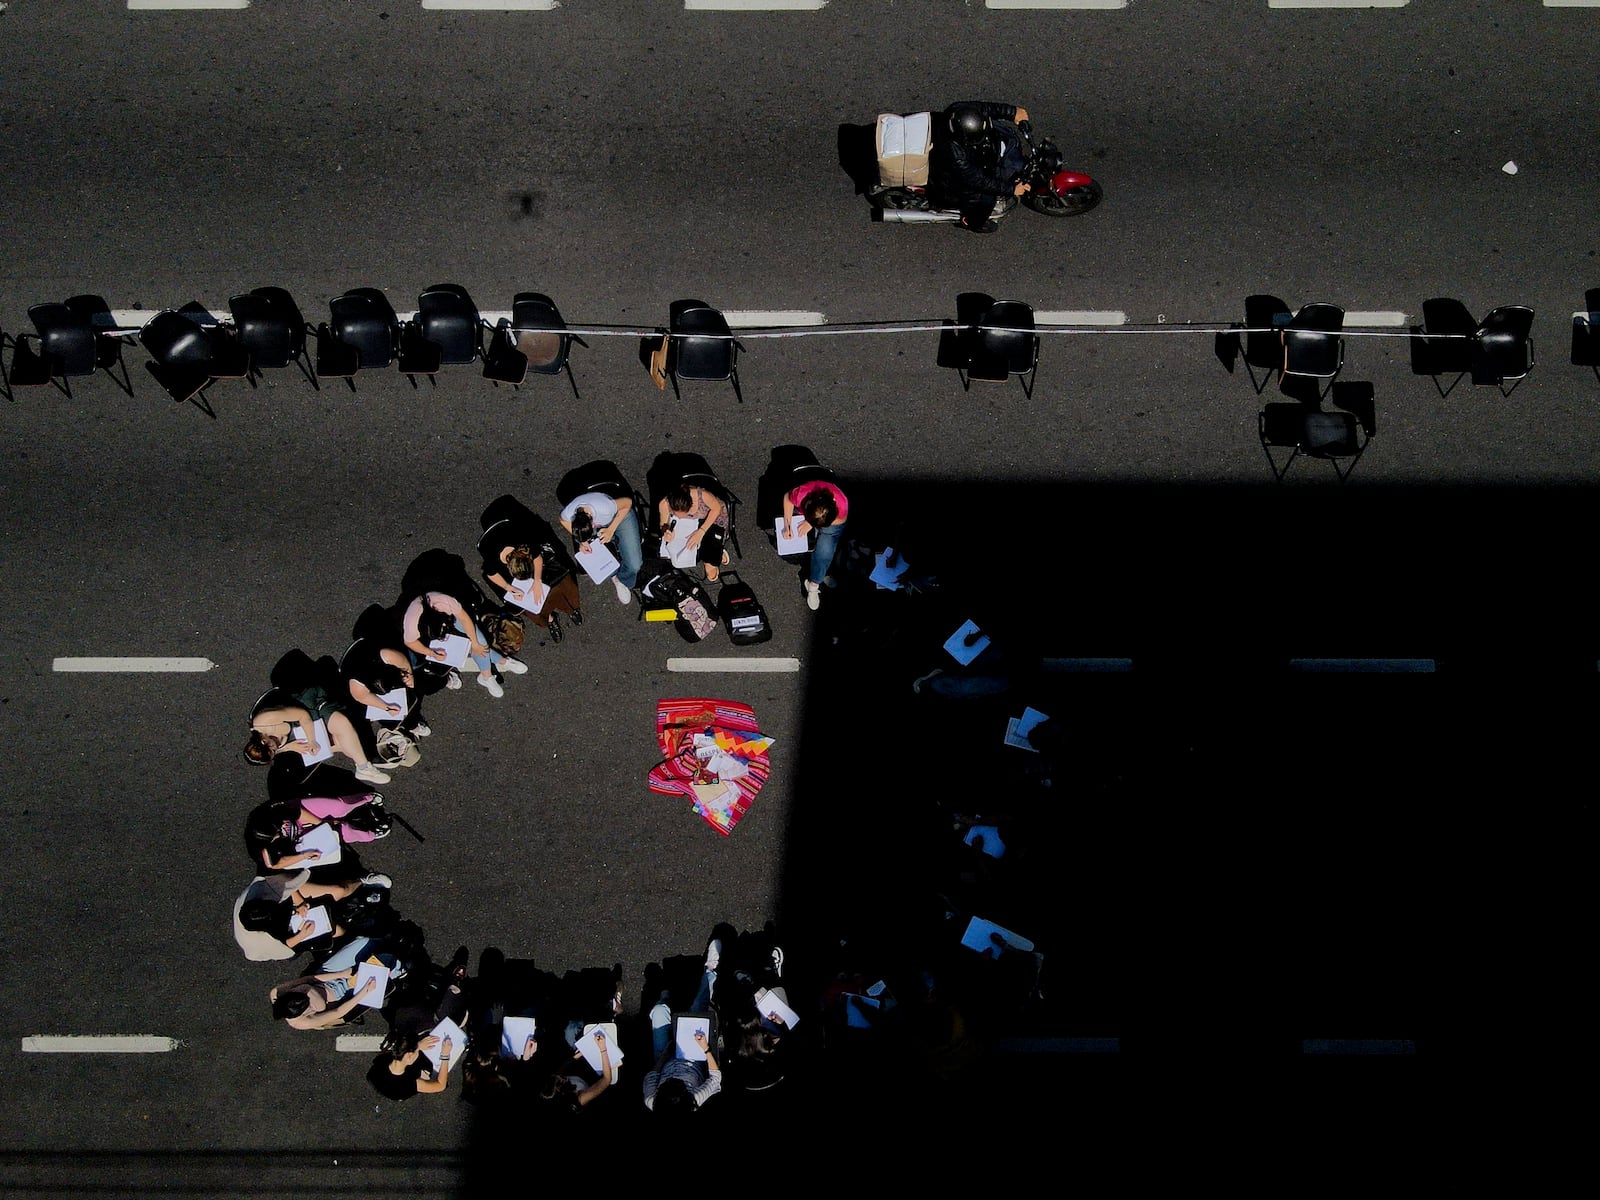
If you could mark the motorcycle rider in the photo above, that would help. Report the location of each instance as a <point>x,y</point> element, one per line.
<point>976,158</point>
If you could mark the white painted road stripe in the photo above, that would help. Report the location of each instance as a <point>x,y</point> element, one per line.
<point>1572,3</point>
<point>99,1044</point>
<point>752,5</point>
<point>1374,318</point>
<point>755,319</point>
<point>1337,3</point>
<point>1086,316</point>
<point>491,5</point>
<point>151,5</point>
<point>749,665</point>
<point>1087,665</point>
<point>359,1043</point>
<point>132,664</point>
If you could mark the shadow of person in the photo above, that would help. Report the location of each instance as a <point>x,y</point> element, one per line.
<point>858,156</point>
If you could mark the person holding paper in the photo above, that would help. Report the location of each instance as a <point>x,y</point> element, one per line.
<point>524,560</point>
<point>402,1069</point>
<point>677,1085</point>
<point>373,673</point>
<point>611,521</point>
<point>278,716</point>
<point>709,538</point>
<point>318,1001</point>
<point>432,615</point>
<point>571,1088</point>
<point>272,828</point>
<point>822,506</point>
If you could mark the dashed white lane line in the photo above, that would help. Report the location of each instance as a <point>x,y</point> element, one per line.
<point>753,5</point>
<point>756,666</point>
<point>132,664</point>
<point>757,319</point>
<point>1374,318</point>
<point>1364,666</point>
<point>490,5</point>
<point>1357,1046</point>
<point>1086,316</point>
<point>98,1044</point>
<point>359,1043</point>
<point>1572,3</point>
<point>152,5</point>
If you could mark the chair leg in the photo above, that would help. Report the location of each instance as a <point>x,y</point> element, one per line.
<point>303,361</point>
<point>961,374</point>
<point>1261,384</point>
<point>203,402</point>
<point>1445,391</point>
<point>1506,391</point>
<point>62,384</point>
<point>1277,475</point>
<point>676,395</point>
<point>733,374</point>
<point>573,379</point>
<point>125,383</point>
<point>1027,378</point>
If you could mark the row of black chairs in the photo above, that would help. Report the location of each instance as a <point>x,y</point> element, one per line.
<point>190,349</point>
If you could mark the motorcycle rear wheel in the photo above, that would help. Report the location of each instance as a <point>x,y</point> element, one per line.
<point>1074,202</point>
<point>902,198</point>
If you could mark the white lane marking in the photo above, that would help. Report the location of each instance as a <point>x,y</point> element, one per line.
<point>1059,1045</point>
<point>358,1043</point>
<point>752,5</point>
<point>1572,3</point>
<point>1363,666</point>
<point>749,665</point>
<point>1094,4</point>
<point>1337,3</point>
<point>1084,316</point>
<point>1375,318</point>
<point>1097,666</point>
<point>132,664</point>
<point>99,1044</point>
<point>150,5</point>
<point>1358,1046</point>
<point>756,319</point>
<point>491,5</point>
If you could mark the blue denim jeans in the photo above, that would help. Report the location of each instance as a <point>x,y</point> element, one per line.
<point>661,1015</point>
<point>827,545</point>
<point>625,544</point>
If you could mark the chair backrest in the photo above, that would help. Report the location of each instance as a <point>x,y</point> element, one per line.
<point>538,329</point>
<point>176,340</point>
<point>264,330</point>
<point>601,475</point>
<point>702,345</point>
<point>364,318</point>
<point>1006,332</point>
<point>1329,434</point>
<point>1511,321</point>
<point>449,319</point>
<point>1324,318</point>
<point>66,339</point>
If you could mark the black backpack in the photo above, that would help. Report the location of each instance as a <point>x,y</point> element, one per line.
<point>678,590</point>
<point>741,612</point>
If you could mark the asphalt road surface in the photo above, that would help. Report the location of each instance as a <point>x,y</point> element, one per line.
<point>1228,862</point>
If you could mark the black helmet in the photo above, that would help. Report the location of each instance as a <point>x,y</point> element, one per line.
<point>968,123</point>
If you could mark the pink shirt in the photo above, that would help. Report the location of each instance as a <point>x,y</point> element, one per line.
<point>798,495</point>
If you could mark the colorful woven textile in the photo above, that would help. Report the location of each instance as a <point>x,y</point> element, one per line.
<point>720,803</point>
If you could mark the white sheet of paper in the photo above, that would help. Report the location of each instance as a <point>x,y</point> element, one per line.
<point>800,543</point>
<point>979,931</point>
<point>590,1049</point>
<point>885,576</point>
<point>859,1011</point>
<point>675,551</point>
<point>324,744</point>
<point>323,838</point>
<point>528,602</point>
<point>964,654</point>
<point>992,845</point>
<point>1018,729</point>
<point>317,916</point>
<point>455,648</point>
<point>396,697</point>
<point>597,561</point>
<point>449,1034</point>
<point>379,974</point>
<point>684,1029</point>
<point>768,1004</point>
<point>514,1035</point>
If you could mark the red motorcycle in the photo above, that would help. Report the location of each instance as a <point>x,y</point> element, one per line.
<point>905,144</point>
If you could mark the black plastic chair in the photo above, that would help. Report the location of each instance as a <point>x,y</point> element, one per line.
<point>29,368</point>
<point>451,321</point>
<point>75,341</point>
<point>1502,349</point>
<point>364,318</point>
<point>603,476</point>
<point>419,355</point>
<point>788,468</point>
<point>679,466</point>
<point>1003,346</point>
<point>188,357</point>
<point>1312,347</point>
<point>701,346</point>
<point>268,324</point>
<point>335,359</point>
<point>502,361</point>
<point>1443,343</point>
<point>1338,438</point>
<point>1586,333</point>
<point>540,335</point>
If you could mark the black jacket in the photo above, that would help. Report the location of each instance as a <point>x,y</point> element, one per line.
<point>962,176</point>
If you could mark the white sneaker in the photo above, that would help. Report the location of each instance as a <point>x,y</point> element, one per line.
<point>421,729</point>
<point>713,954</point>
<point>453,680</point>
<point>512,667</point>
<point>624,596</point>
<point>813,596</point>
<point>491,685</point>
<point>377,879</point>
<point>368,773</point>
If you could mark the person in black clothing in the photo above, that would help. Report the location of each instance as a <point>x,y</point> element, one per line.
<point>976,160</point>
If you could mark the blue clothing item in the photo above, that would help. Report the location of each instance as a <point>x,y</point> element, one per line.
<point>661,1015</point>
<point>625,544</point>
<point>484,661</point>
<point>827,545</point>
<point>346,958</point>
